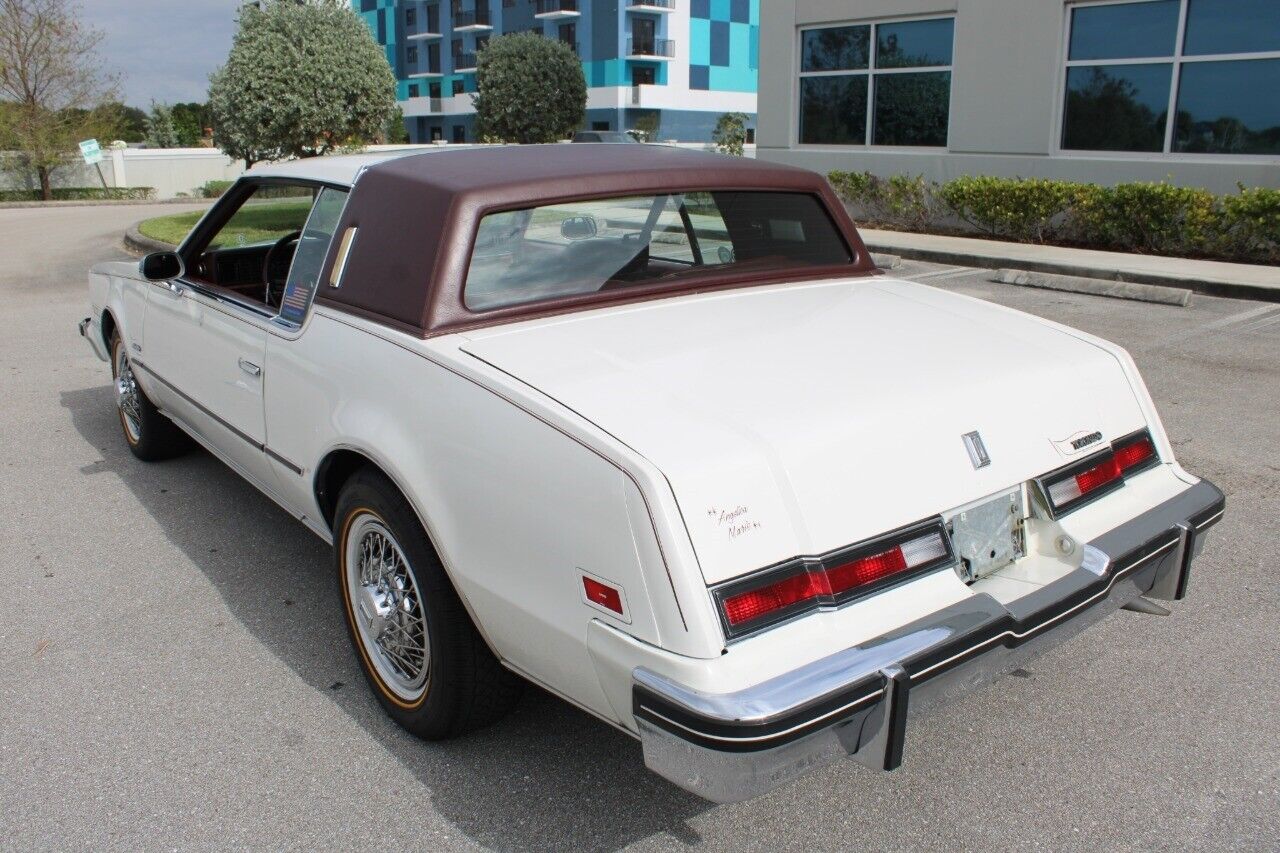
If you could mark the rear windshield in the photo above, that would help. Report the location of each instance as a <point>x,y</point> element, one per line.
<point>578,247</point>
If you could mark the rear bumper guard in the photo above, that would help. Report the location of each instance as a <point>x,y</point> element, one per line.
<point>734,746</point>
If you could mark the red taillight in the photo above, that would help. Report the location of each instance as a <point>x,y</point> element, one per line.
<point>602,594</point>
<point>779,595</point>
<point>1077,484</point>
<point>1135,453</point>
<point>1099,475</point>
<point>752,603</point>
<point>866,570</point>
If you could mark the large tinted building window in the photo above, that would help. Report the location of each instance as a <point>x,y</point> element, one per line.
<point>876,84</point>
<point>1173,76</point>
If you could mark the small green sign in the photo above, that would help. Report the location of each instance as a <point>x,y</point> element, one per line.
<point>90,151</point>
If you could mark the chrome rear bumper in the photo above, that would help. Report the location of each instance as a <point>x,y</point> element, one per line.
<point>734,746</point>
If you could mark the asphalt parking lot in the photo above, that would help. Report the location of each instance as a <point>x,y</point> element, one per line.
<point>174,672</point>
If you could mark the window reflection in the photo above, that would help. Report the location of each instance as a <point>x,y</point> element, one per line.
<point>833,110</point>
<point>836,49</point>
<point>912,44</point>
<point>1229,107</point>
<point>1124,30</point>
<point>1232,26</point>
<point>1117,107</point>
<point>912,109</point>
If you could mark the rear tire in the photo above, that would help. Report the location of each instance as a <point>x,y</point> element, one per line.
<point>150,435</point>
<point>423,658</point>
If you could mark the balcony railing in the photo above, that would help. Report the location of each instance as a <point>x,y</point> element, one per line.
<point>665,48</point>
<point>464,62</point>
<point>476,18</point>
<point>651,4</point>
<point>554,7</point>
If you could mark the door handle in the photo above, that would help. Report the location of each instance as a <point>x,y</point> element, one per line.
<point>250,368</point>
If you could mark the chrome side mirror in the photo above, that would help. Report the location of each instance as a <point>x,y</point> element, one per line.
<point>578,228</point>
<point>161,266</point>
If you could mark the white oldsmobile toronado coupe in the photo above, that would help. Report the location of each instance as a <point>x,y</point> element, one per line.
<point>648,428</point>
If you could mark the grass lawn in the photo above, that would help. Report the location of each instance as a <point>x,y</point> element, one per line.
<point>253,223</point>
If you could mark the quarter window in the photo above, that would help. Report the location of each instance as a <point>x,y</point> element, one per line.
<point>879,84</point>
<point>1173,76</point>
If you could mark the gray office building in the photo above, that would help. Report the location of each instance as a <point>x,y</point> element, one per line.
<point>1098,90</point>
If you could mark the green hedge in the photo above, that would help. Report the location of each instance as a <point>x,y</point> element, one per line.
<point>1155,218</point>
<point>214,189</point>
<point>82,194</point>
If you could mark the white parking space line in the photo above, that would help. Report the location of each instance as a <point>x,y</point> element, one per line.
<point>1240,318</point>
<point>949,272</point>
<point>1260,323</point>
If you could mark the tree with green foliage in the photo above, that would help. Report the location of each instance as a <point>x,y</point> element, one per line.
<point>730,134</point>
<point>648,125</point>
<point>395,133</point>
<point>189,120</point>
<point>304,77</point>
<point>530,89</point>
<point>160,130</point>
<point>52,83</point>
<point>130,124</point>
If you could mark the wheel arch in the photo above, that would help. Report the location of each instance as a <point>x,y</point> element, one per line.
<point>337,467</point>
<point>107,325</point>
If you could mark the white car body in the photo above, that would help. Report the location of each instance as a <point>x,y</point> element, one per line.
<point>669,446</point>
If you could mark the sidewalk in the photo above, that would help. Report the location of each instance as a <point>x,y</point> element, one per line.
<point>1216,278</point>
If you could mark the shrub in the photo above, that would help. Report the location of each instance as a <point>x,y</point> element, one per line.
<point>903,201</point>
<point>1026,210</point>
<point>853,187</point>
<point>83,194</point>
<point>730,134</point>
<point>214,189</point>
<point>1137,217</point>
<point>1146,217</point>
<point>1251,224</point>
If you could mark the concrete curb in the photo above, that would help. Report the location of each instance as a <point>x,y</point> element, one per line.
<point>961,258</point>
<point>138,243</point>
<point>1096,287</point>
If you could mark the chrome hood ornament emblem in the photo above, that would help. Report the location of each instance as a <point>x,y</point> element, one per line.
<point>977,450</point>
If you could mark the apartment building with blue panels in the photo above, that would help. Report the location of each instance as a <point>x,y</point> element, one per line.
<point>680,62</point>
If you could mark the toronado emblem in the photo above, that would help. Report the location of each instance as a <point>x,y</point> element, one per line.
<point>1076,442</point>
<point>977,450</point>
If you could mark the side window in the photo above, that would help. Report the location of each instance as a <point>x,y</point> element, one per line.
<point>266,216</point>
<point>308,258</point>
<point>251,253</point>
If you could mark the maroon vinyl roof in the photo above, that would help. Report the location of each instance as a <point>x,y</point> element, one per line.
<point>417,217</point>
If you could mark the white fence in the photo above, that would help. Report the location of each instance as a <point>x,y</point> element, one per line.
<point>179,171</point>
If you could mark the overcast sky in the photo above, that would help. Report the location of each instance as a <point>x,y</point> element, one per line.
<point>163,50</point>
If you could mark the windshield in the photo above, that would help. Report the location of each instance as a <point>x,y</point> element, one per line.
<point>578,247</point>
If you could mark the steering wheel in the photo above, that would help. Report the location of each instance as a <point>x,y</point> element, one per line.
<point>271,284</point>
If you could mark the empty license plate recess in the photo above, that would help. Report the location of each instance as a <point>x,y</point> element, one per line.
<point>988,535</point>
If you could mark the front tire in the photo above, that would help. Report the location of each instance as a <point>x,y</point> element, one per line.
<point>150,435</point>
<point>424,660</point>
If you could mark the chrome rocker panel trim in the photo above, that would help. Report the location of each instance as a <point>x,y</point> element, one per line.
<point>734,746</point>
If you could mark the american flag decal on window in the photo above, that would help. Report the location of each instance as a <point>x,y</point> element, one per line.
<point>296,299</point>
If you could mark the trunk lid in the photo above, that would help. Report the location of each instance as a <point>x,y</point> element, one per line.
<point>798,419</point>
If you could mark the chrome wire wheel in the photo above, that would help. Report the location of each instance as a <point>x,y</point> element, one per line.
<point>128,397</point>
<point>386,607</point>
